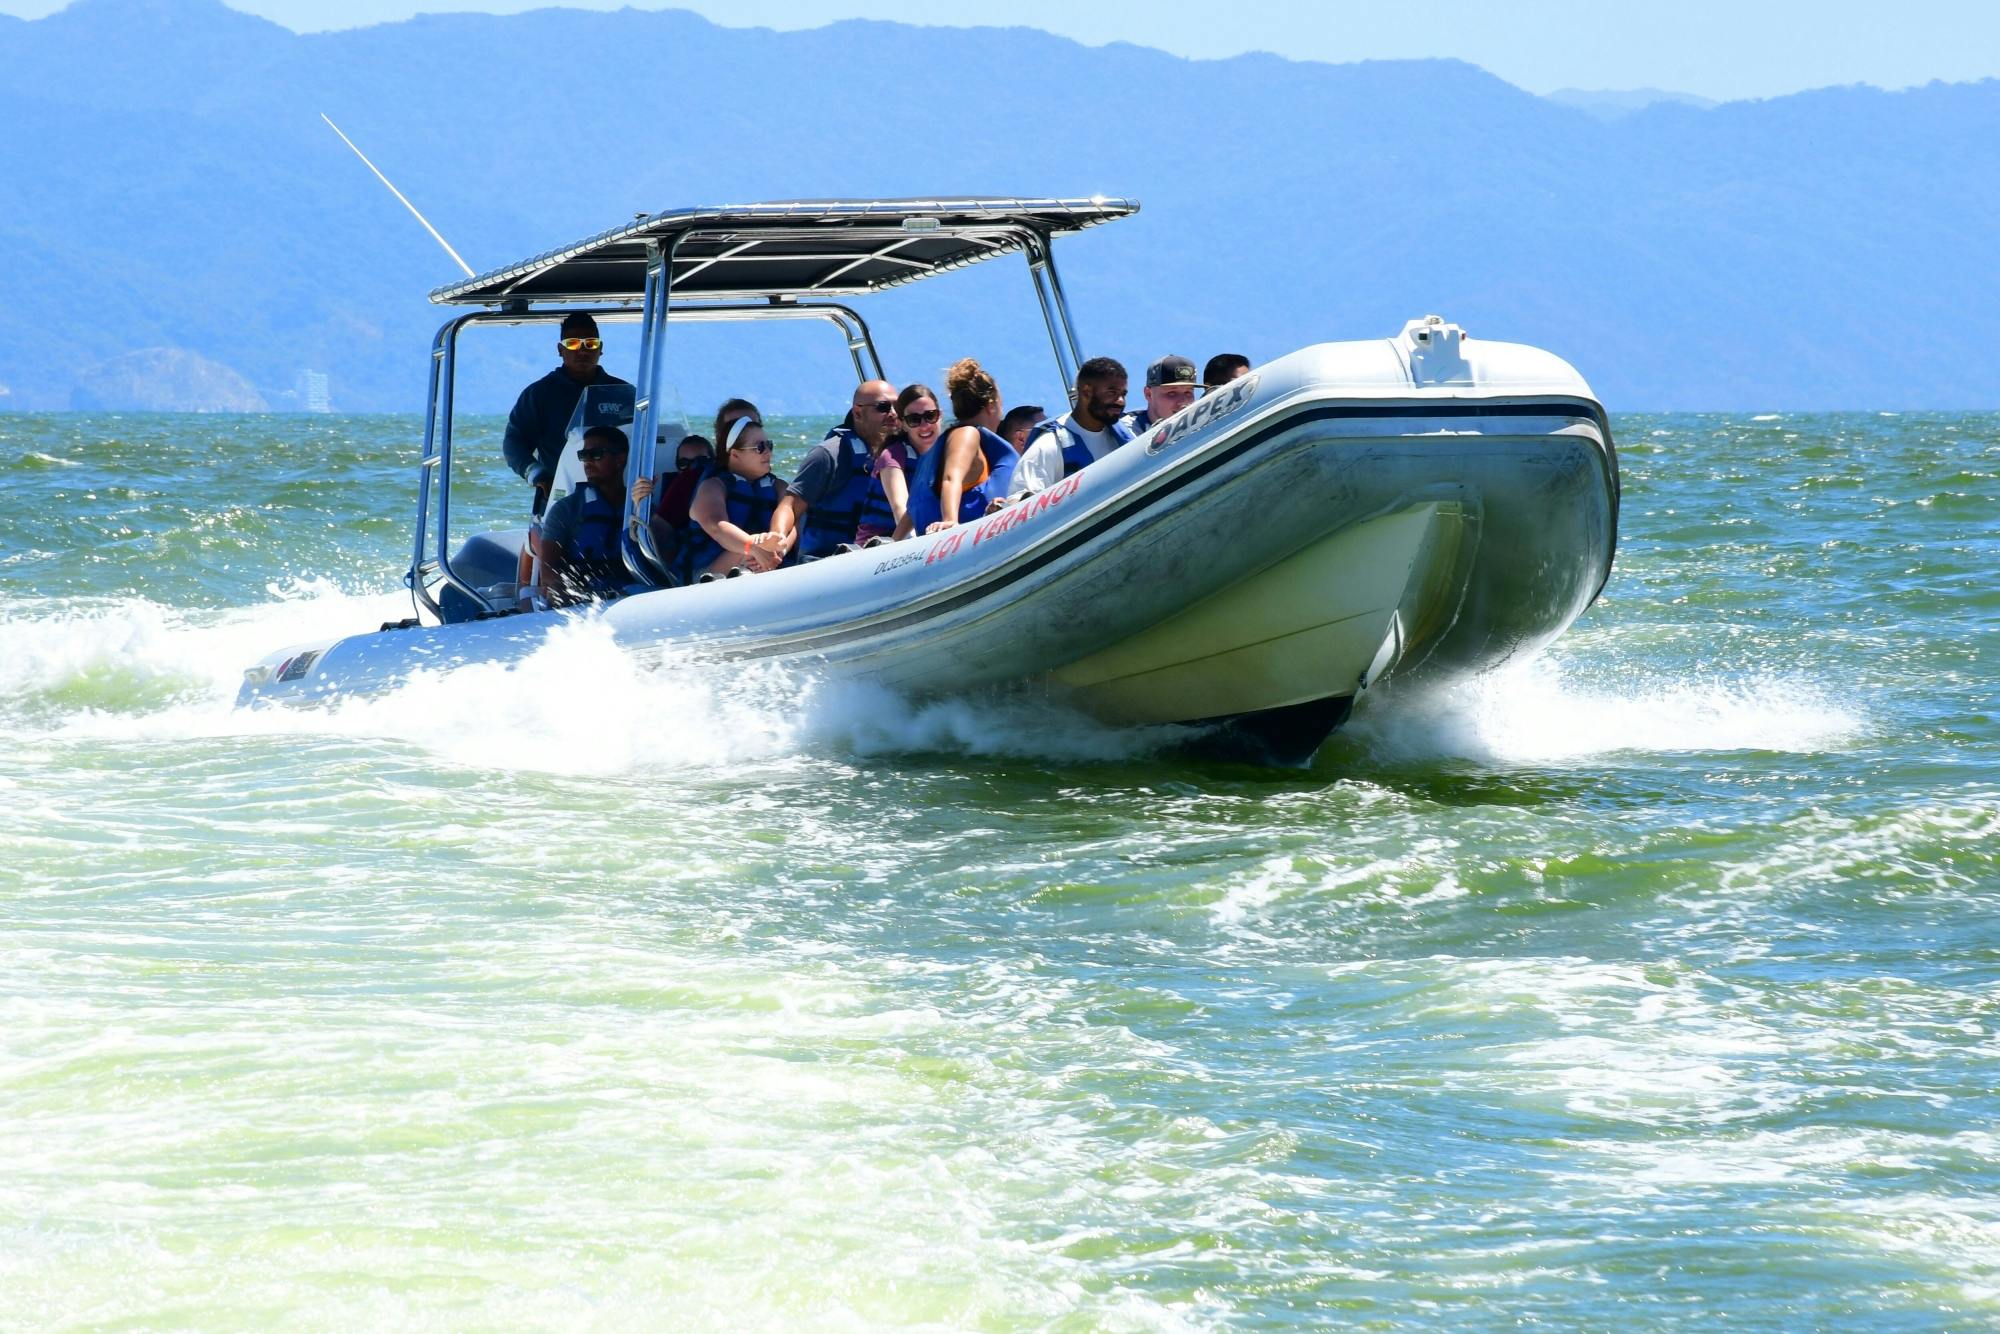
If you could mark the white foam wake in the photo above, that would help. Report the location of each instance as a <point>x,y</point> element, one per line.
<point>580,703</point>
<point>130,669</point>
<point>133,647</point>
<point>1540,712</point>
<point>136,669</point>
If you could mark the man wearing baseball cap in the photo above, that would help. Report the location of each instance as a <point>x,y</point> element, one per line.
<point>1170,386</point>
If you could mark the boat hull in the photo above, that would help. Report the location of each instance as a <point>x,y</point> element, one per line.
<point>1293,538</point>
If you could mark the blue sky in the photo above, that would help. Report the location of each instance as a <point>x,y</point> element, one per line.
<point>1721,49</point>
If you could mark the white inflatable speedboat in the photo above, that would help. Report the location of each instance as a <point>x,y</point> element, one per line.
<point>1423,503</point>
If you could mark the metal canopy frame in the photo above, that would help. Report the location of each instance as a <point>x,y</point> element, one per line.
<point>682,263</point>
<point>430,560</point>
<point>804,247</point>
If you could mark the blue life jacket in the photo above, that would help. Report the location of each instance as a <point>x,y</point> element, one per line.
<point>592,552</point>
<point>1138,423</point>
<point>1075,453</point>
<point>926,506</point>
<point>749,505</point>
<point>832,520</point>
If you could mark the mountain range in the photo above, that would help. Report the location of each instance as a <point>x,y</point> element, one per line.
<point>167,187</point>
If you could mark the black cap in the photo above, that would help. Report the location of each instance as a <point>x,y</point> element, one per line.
<point>1171,370</point>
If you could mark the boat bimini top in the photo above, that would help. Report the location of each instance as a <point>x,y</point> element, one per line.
<point>787,260</point>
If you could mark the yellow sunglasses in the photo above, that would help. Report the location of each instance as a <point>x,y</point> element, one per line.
<point>581,344</point>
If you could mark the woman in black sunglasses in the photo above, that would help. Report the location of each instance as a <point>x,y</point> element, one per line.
<point>889,471</point>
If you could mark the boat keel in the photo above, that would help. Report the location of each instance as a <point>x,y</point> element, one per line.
<point>1284,738</point>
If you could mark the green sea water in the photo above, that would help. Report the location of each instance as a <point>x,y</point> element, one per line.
<point>1652,984</point>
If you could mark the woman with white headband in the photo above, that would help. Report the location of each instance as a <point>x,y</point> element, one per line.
<point>733,506</point>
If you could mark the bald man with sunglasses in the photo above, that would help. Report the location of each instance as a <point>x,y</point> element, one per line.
<point>537,427</point>
<point>822,508</point>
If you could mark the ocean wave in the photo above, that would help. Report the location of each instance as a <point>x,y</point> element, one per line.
<point>129,653</point>
<point>1944,842</point>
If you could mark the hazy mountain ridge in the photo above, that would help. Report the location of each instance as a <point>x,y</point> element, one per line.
<point>168,183</point>
<point>1614,103</point>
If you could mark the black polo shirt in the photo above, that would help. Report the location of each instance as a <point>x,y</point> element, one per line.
<point>536,427</point>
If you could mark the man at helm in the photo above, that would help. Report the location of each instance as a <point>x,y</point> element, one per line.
<point>537,427</point>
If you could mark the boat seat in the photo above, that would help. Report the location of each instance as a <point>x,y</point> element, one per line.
<point>487,562</point>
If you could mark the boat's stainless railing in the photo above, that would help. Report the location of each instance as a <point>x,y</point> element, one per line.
<point>430,558</point>
<point>653,308</point>
<point>434,466</point>
<point>1055,310</point>
<point>642,557</point>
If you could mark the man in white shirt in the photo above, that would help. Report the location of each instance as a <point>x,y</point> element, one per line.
<point>1081,436</point>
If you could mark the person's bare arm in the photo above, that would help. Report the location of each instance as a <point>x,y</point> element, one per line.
<point>710,509</point>
<point>557,587</point>
<point>896,488</point>
<point>959,449</point>
<point>785,521</point>
<point>767,550</point>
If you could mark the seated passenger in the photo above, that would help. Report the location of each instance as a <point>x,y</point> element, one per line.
<point>731,409</point>
<point>693,457</point>
<point>689,533</point>
<point>888,496</point>
<point>1019,422</point>
<point>822,509</point>
<point>673,529</point>
<point>1080,436</point>
<point>1170,386</point>
<point>1224,367</point>
<point>579,544</point>
<point>1169,389</point>
<point>969,468</point>
<point>734,505</point>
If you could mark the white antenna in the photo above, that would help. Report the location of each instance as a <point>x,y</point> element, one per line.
<point>399,195</point>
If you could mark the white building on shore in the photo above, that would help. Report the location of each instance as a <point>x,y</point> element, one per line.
<point>313,391</point>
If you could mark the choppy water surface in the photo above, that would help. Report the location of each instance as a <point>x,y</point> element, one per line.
<point>1649,985</point>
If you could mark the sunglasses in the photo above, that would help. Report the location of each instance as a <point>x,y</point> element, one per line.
<point>922,418</point>
<point>690,460</point>
<point>762,446</point>
<point>593,454</point>
<point>887,407</point>
<point>580,344</point>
